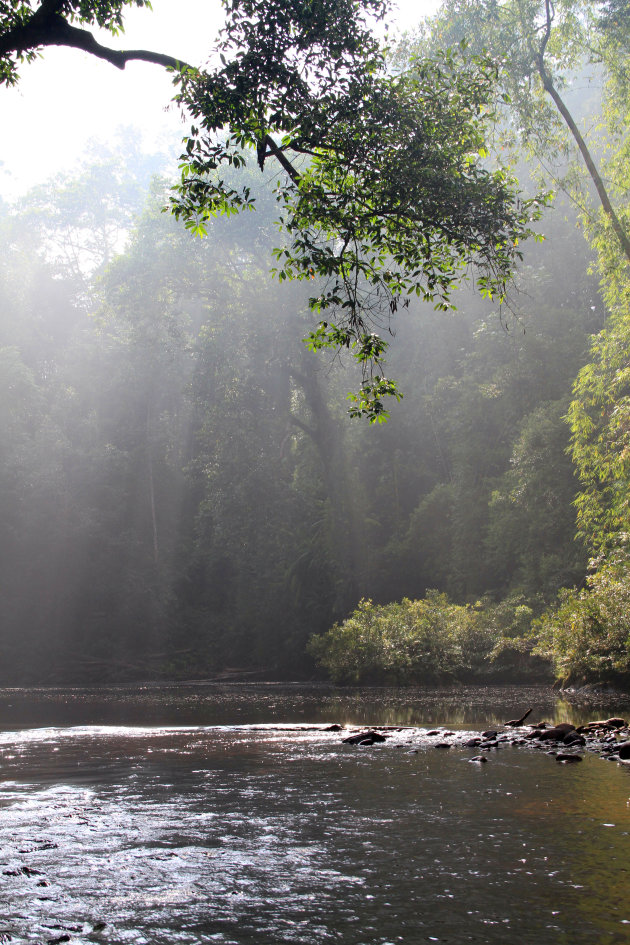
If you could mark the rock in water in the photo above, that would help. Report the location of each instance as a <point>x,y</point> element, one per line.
<point>364,738</point>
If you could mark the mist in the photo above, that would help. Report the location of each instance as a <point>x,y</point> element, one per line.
<point>183,492</point>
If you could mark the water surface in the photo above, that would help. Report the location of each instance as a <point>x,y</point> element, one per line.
<point>221,815</point>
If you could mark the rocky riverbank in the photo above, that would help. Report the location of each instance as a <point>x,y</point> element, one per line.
<point>608,738</point>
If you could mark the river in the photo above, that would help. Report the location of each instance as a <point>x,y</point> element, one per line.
<point>227,814</point>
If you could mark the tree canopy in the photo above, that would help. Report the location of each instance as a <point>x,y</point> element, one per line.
<point>541,46</point>
<point>383,189</point>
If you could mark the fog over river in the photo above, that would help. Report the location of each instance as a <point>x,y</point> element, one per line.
<point>228,814</point>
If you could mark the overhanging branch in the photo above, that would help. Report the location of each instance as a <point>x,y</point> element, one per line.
<point>47,28</point>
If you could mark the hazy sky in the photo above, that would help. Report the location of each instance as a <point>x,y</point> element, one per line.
<point>67,100</point>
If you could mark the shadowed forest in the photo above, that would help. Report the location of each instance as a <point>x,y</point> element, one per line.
<point>183,493</point>
<point>182,488</point>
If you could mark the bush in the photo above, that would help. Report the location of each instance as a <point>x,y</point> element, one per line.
<point>428,640</point>
<point>588,634</point>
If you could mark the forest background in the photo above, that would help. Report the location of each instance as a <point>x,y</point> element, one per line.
<point>183,493</point>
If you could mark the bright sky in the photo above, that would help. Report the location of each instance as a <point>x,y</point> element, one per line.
<point>67,100</point>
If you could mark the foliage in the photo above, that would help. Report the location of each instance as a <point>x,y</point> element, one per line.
<point>588,634</point>
<point>544,48</point>
<point>385,193</point>
<point>180,490</point>
<point>600,426</point>
<point>424,640</point>
<point>535,497</point>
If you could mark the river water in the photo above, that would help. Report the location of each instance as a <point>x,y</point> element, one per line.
<point>227,814</point>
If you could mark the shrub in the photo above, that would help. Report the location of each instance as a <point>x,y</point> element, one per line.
<point>588,634</point>
<point>428,640</point>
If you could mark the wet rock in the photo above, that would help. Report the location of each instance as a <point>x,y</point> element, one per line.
<point>566,759</point>
<point>433,732</point>
<point>442,745</point>
<point>610,724</point>
<point>557,733</point>
<point>623,750</point>
<point>478,759</point>
<point>335,727</point>
<point>58,940</point>
<point>490,734</point>
<point>364,738</point>
<point>472,742</point>
<point>572,738</point>
<point>22,871</point>
<point>369,737</point>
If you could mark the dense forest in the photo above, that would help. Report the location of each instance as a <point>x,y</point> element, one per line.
<point>183,493</point>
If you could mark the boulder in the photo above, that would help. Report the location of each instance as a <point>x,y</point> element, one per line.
<point>364,738</point>
<point>558,733</point>
<point>572,738</point>
<point>623,750</point>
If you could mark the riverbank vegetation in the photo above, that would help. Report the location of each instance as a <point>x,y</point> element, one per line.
<point>431,641</point>
<point>183,493</point>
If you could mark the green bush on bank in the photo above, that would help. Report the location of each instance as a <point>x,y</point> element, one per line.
<point>587,635</point>
<point>429,640</point>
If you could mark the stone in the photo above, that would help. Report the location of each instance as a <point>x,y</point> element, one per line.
<point>364,738</point>
<point>557,733</point>
<point>572,738</point>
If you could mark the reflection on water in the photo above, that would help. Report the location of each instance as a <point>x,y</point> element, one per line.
<point>220,832</point>
<point>236,703</point>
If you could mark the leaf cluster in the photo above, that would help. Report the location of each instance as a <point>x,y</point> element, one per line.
<point>384,191</point>
<point>587,635</point>
<point>431,639</point>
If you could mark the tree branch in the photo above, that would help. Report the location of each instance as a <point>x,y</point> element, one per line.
<point>280,156</point>
<point>586,155</point>
<point>47,28</point>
